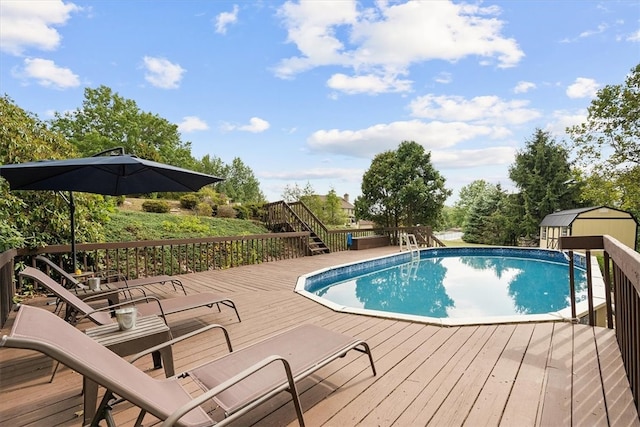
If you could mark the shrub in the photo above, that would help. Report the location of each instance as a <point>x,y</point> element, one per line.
<point>226,211</point>
<point>204,209</point>
<point>209,195</point>
<point>157,206</point>
<point>244,212</point>
<point>257,210</point>
<point>189,201</point>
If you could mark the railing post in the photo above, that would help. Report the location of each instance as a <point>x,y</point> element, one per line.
<point>592,321</point>
<point>572,286</point>
<point>608,288</point>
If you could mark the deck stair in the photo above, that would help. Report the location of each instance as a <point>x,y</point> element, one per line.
<point>428,240</point>
<point>296,217</point>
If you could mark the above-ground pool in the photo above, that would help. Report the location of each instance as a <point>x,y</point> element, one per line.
<point>456,286</point>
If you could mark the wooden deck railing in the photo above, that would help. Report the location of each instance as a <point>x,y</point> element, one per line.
<point>7,283</point>
<point>180,256</point>
<point>622,279</point>
<point>152,258</point>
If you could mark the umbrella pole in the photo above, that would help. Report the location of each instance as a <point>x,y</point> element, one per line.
<point>72,212</point>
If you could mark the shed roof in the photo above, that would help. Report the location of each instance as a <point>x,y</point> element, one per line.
<point>565,218</point>
<point>562,218</point>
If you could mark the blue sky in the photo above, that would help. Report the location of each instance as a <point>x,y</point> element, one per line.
<point>311,91</point>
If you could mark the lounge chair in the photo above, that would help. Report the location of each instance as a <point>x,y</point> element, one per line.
<point>122,282</point>
<point>146,305</point>
<point>237,382</point>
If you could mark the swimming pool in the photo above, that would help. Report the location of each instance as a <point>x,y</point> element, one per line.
<point>452,286</point>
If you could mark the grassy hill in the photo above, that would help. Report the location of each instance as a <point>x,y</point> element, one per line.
<point>130,223</point>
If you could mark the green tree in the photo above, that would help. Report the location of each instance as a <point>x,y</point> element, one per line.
<point>467,198</point>
<point>492,216</point>
<point>608,144</point>
<point>402,187</point>
<point>328,209</point>
<point>38,218</point>
<point>212,166</point>
<point>240,185</point>
<point>295,193</point>
<point>107,120</point>
<point>612,128</point>
<point>333,214</point>
<point>546,181</point>
<point>306,195</point>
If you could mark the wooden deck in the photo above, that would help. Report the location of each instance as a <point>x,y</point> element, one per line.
<point>537,374</point>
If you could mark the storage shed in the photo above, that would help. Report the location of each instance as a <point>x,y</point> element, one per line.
<point>593,221</point>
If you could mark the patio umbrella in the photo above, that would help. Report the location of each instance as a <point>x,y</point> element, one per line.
<point>110,172</point>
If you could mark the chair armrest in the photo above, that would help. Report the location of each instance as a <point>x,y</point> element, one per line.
<point>109,274</point>
<point>182,338</point>
<point>102,294</point>
<point>129,302</point>
<point>199,400</point>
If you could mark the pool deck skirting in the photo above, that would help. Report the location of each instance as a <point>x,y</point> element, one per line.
<point>527,374</point>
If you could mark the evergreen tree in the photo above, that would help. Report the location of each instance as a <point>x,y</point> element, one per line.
<point>544,176</point>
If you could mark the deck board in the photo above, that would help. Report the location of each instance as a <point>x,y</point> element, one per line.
<point>495,393</point>
<point>534,374</point>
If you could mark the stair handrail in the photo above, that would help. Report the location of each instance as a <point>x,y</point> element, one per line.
<point>429,239</point>
<point>289,216</point>
<point>293,219</point>
<point>323,231</point>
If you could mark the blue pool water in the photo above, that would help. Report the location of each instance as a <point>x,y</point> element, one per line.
<point>455,283</point>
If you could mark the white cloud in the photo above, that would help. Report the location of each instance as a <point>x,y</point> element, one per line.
<point>314,173</point>
<point>634,37</point>
<point>457,159</point>
<point>371,84</point>
<point>30,24</point>
<point>368,142</point>
<point>48,74</point>
<point>256,125</point>
<point>583,88</point>
<point>225,19</point>
<point>162,73</point>
<point>387,40</point>
<point>524,87</point>
<point>444,78</point>
<point>599,30</point>
<point>481,109</point>
<point>563,119</point>
<point>192,124</point>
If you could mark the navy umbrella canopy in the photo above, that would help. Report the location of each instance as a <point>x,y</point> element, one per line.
<point>110,173</point>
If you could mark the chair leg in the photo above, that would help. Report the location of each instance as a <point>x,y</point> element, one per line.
<point>140,418</point>
<point>104,411</point>
<point>293,390</point>
<point>55,369</point>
